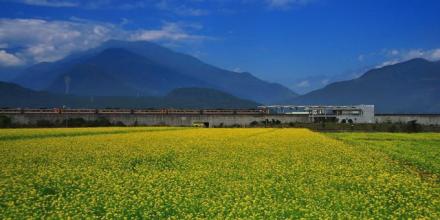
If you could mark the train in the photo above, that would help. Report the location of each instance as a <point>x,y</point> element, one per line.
<point>136,111</point>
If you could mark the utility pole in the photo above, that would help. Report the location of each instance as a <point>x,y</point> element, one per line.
<point>65,117</point>
<point>67,84</point>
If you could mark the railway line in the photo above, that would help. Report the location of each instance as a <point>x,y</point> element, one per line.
<point>136,111</point>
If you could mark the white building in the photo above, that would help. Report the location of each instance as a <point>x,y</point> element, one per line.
<point>341,114</point>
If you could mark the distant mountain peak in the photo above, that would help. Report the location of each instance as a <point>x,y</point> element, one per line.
<point>149,69</point>
<point>412,86</point>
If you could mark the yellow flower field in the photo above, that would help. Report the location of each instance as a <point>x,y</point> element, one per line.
<point>187,173</point>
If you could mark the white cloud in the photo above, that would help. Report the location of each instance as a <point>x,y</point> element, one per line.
<point>433,54</point>
<point>187,11</point>
<point>394,52</point>
<point>237,70</point>
<point>41,40</point>
<point>396,56</point>
<point>49,3</point>
<point>7,59</point>
<point>429,54</point>
<point>286,4</point>
<point>303,84</point>
<point>387,63</point>
<point>180,9</point>
<point>170,31</point>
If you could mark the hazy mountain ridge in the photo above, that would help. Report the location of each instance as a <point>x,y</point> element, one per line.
<point>182,71</point>
<point>132,69</point>
<point>308,84</point>
<point>409,87</point>
<point>127,74</point>
<point>15,96</point>
<point>8,73</point>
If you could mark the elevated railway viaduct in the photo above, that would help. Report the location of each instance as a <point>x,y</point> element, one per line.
<point>154,120</point>
<point>205,120</point>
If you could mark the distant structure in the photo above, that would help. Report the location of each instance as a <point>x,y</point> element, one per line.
<point>67,84</point>
<point>282,114</point>
<point>341,114</point>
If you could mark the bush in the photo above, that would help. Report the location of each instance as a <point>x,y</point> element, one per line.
<point>101,122</point>
<point>412,127</point>
<point>120,124</point>
<point>291,124</point>
<point>45,124</point>
<point>236,126</point>
<point>75,122</point>
<point>254,124</point>
<point>5,122</point>
<point>276,122</point>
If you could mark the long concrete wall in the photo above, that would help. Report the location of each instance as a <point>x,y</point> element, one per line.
<point>433,119</point>
<point>171,120</point>
<point>212,120</point>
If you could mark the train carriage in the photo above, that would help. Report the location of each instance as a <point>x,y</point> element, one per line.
<point>183,112</point>
<point>42,111</point>
<point>11,111</point>
<point>250,112</point>
<point>137,111</point>
<point>79,111</point>
<point>149,111</point>
<point>115,111</point>
<point>218,112</point>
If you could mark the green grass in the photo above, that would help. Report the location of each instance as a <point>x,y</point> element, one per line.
<point>420,151</point>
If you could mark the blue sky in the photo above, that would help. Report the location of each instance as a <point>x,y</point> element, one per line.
<point>299,43</point>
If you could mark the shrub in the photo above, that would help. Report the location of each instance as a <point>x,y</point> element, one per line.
<point>75,122</point>
<point>120,124</point>
<point>44,123</point>
<point>413,126</point>
<point>254,124</point>
<point>392,128</point>
<point>5,122</point>
<point>101,121</point>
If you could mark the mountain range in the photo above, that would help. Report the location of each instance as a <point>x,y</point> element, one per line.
<point>143,69</point>
<point>12,95</point>
<point>143,74</point>
<point>408,87</point>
